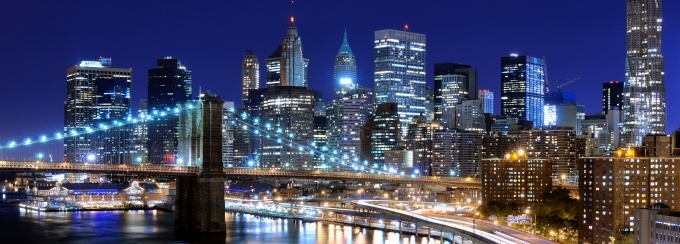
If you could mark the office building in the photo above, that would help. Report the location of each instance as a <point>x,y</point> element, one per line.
<point>611,188</point>
<point>293,63</point>
<point>227,135</point>
<point>486,97</point>
<point>273,65</point>
<point>657,145</point>
<point>288,114</point>
<point>384,132</point>
<point>612,96</point>
<point>465,116</point>
<point>345,69</point>
<point>522,88</point>
<point>418,139</point>
<point>570,116</point>
<point>515,178</point>
<point>250,74</point>
<point>141,133</point>
<point>399,73</point>
<point>452,83</point>
<point>644,92</point>
<point>398,160</point>
<point>346,115</point>
<point>169,87</point>
<point>97,98</point>
<point>320,142</point>
<point>656,224</point>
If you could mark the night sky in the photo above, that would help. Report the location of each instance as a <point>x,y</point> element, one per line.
<point>39,41</point>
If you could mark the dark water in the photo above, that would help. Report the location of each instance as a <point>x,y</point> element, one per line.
<point>25,226</point>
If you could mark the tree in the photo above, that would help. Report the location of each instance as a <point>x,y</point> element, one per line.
<point>557,212</point>
<point>498,209</point>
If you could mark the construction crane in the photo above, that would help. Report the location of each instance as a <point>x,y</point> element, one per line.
<point>559,86</point>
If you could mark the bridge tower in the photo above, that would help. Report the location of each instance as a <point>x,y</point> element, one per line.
<point>200,199</point>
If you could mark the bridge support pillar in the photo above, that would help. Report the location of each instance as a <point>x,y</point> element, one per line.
<point>200,199</point>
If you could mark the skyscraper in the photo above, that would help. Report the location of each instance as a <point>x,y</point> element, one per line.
<point>486,97</point>
<point>346,115</point>
<point>250,74</point>
<point>644,95</point>
<point>169,87</point>
<point>273,63</point>
<point>293,64</point>
<point>345,68</point>
<point>97,96</point>
<point>385,131</point>
<point>522,88</point>
<point>612,96</point>
<point>289,112</point>
<point>141,133</point>
<point>399,73</point>
<point>448,75</point>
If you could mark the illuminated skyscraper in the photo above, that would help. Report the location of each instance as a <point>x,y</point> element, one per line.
<point>644,94</point>
<point>399,73</point>
<point>612,96</point>
<point>345,69</point>
<point>453,83</point>
<point>97,97</point>
<point>141,134</point>
<point>289,112</point>
<point>486,97</point>
<point>273,63</point>
<point>293,64</point>
<point>522,88</point>
<point>384,133</point>
<point>169,87</point>
<point>250,74</point>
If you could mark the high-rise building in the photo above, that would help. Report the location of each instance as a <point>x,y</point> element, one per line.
<point>399,73</point>
<point>273,63</point>
<point>385,131</point>
<point>612,96</point>
<point>515,178</point>
<point>169,87</point>
<point>561,145</point>
<point>227,135</point>
<point>288,112</point>
<point>320,141</point>
<point>522,88</point>
<point>293,64</point>
<point>97,97</point>
<point>141,133</point>
<point>460,84</point>
<point>456,153</point>
<point>611,188</point>
<point>250,74</point>
<point>644,92</point>
<point>319,105</point>
<point>465,116</point>
<point>486,97</point>
<point>346,115</point>
<point>419,140</point>
<point>345,68</point>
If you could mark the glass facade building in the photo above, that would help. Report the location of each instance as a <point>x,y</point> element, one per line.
<point>644,95</point>
<point>463,76</point>
<point>97,102</point>
<point>612,96</point>
<point>169,87</point>
<point>250,75</point>
<point>486,97</point>
<point>523,88</point>
<point>399,73</point>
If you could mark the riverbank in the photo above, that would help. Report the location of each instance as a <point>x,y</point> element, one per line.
<point>64,209</point>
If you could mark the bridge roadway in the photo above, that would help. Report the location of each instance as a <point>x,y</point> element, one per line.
<point>436,223</point>
<point>237,172</point>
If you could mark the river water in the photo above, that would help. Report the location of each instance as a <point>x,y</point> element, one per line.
<point>27,226</point>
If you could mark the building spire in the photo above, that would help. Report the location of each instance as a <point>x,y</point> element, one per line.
<point>344,48</point>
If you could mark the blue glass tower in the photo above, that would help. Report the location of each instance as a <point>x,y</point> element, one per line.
<point>523,88</point>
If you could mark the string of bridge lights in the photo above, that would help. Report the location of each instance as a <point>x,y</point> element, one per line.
<point>268,132</point>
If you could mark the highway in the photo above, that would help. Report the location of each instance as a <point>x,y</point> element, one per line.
<point>488,226</point>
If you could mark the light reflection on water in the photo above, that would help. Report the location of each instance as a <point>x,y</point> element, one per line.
<point>26,226</point>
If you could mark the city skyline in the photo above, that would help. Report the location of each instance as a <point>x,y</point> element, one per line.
<point>211,75</point>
